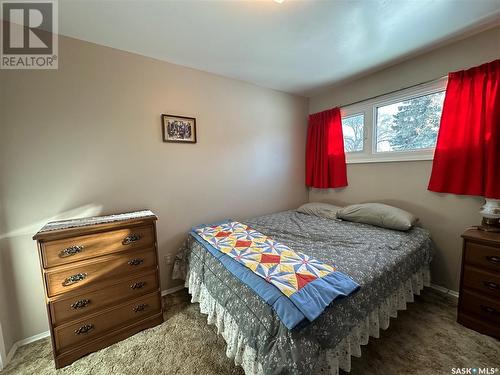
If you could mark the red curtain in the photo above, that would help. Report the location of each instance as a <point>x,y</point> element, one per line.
<point>325,158</point>
<point>467,156</point>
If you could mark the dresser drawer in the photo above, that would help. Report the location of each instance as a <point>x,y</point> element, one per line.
<point>103,268</point>
<point>69,356</point>
<point>55,253</point>
<point>483,281</point>
<point>65,309</point>
<point>96,325</point>
<point>480,306</point>
<point>483,256</point>
<point>479,325</point>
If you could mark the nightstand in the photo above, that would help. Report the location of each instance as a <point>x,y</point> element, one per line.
<point>479,302</point>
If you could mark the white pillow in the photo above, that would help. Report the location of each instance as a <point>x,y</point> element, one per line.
<point>325,210</point>
<point>381,215</point>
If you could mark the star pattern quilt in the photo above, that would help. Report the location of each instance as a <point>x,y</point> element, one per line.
<point>309,284</point>
<point>274,262</point>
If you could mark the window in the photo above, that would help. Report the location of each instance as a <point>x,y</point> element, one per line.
<point>353,130</point>
<point>399,126</point>
<point>409,125</point>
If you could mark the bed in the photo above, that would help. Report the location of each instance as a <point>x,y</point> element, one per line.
<point>390,267</point>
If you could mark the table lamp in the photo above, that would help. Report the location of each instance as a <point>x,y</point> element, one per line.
<point>490,212</point>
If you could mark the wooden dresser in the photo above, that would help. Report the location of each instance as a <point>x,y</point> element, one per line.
<point>101,281</point>
<point>479,302</point>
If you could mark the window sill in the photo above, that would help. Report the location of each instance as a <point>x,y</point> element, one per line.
<point>389,159</point>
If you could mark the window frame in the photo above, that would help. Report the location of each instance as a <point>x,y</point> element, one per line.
<point>369,107</point>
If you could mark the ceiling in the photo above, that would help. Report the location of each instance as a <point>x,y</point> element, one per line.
<point>300,47</point>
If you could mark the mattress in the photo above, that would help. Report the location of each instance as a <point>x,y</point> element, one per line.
<point>385,263</point>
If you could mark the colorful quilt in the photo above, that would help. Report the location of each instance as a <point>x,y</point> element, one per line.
<point>309,284</point>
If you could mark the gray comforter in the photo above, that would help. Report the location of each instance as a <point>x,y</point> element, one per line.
<point>380,260</point>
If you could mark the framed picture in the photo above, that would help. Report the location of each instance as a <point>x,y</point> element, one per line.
<point>178,129</point>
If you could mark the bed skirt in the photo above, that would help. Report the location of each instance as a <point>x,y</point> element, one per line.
<point>334,359</point>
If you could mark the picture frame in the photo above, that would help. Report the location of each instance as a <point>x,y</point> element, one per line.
<point>178,129</point>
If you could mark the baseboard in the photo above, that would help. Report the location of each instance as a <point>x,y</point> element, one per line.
<point>23,342</point>
<point>3,353</point>
<point>34,338</point>
<point>172,290</point>
<point>444,290</point>
<point>10,354</point>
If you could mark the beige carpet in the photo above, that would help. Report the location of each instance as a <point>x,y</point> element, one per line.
<point>425,339</point>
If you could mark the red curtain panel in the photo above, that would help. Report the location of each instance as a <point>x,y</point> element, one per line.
<point>467,156</point>
<point>325,158</point>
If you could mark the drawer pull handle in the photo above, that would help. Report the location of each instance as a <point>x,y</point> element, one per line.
<point>69,251</point>
<point>491,285</point>
<point>80,304</point>
<point>131,239</point>
<point>493,259</point>
<point>490,310</point>
<point>136,262</point>
<point>84,329</point>
<point>140,307</point>
<point>138,285</point>
<point>74,279</point>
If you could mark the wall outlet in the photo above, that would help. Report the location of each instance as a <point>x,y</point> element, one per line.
<point>169,259</point>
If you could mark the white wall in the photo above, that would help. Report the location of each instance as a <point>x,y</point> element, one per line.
<point>86,139</point>
<point>404,184</point>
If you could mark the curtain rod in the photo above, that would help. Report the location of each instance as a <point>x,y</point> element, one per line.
<point>393,91</point>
